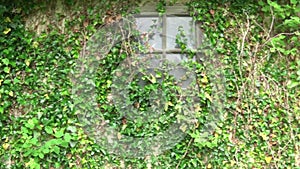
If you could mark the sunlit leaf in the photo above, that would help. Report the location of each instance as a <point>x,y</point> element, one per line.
<point>6,31</point>
<point>268,159</point>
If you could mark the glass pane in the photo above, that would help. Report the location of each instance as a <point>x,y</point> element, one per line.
<point>178,71</point>
<point>175,58</point>
<point>174,24</point>
<point>151,30</point>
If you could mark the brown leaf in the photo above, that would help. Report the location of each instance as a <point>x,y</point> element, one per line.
<point>86,23</point>
<point>118,17</point>
<point>124,120</point>
<point>109,12</point>
<point>212,12</point>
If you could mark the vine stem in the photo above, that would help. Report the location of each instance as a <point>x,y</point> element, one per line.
<point>185,153</point>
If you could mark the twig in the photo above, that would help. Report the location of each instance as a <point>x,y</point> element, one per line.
<point>243,45</point>
<point>272,23</point>
<point>185,153</point>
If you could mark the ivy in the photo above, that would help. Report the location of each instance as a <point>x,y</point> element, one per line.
<point>256,46</point>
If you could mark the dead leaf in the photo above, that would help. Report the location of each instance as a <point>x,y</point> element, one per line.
<point>86,23</point>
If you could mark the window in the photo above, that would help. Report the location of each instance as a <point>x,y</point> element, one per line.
<point>160,32</point>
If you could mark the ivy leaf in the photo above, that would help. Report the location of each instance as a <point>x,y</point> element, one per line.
<point>7,19</point>
<point>268,159</point>
<point>6,69</point>
<point>59,133</point>
<point>264,136</point>
<point>294,2</point>
<point>48,130</point>
<point>56,149</point>
<point>67,137</point>
<point>152,79</point>
<point>72,129</point>
<point>27,62</point>
<point>167,105</point>
<point>11,93</point>
<point>30,124</point>
<point>5,146</point>
<point>6,31</point>
<point>292,84</point>
<point>5,61</point>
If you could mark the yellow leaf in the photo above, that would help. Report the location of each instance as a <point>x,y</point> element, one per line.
<point>124,127</point>
<point>153,79</point>
<point>46,96</point>
<point>35,44</point>
<point>268,159</point>
<point>209,166</point>
<point>6,31</point>
<point>232,163</point>
<point>167,105</point>
<point>197,108</point>
<point>108,82</point>
<point>11,93</point>
<point>119,135</point>
<point>7,19</point>
<point>259,111</point>
<point>5,146</point>
<point>264,137</point>
<point>27,62</point>
<point>208,96</point>
<point>204,80</point>
<point>183,127</point>
<point>1,82</point>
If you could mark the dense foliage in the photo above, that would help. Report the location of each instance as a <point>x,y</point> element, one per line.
<point>257,43</point>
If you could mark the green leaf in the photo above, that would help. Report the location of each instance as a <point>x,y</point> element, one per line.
<point>5,61</point>
<point>41,155</point>
<point>49,130</point>
<point>24,130</point>
<point>292,84</point>
<point>56,149</point>
<point>16,80</point>
<point>45,150</point>
<point>7,81</point>
<point>67,137</point>
<point>33,141</point>
<point>64,93</point>
<point>6,69</point>
<point>30,124</point>
<point>294,2</point>
<point>275,5</point>
<point>292,22</point>
<point>59,133</point>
